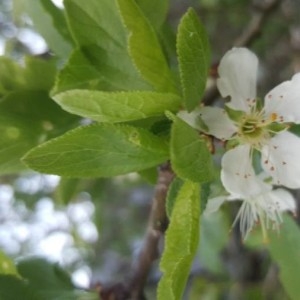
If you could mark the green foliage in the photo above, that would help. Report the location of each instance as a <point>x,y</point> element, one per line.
<point>172,195</point>
<point>7,266</point>
<point>145,49</point>
<point>79,72</point>
<point>181,242</point>
<point>194,58</point>
<point>214,234</point>
<point>284,249</point>
<point>66,189</point>
<point>12,288</point>
<point>98,31</point>
<point>116,107</point>
<point>49,21</point>
<point>190,157</point>
<point>36,75</point>
<point>155,11</point>
<point>98,150</point>
<point>120,66</point>
<point>27,118</point>
<point>41,280</point>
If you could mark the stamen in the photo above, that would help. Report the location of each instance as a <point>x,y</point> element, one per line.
<point>273,117</point>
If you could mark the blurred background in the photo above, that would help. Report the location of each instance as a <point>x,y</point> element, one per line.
<point>94,228</point>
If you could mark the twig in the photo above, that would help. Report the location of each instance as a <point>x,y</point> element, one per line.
<point>257,21</point>
<point>156,227</point>
<point>249,35</point>
<point>157,224</point>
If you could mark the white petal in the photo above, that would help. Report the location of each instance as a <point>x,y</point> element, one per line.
<point>192,118</point>
<point>238,75</point>
<point>283,200</point>
<point>281,159</point>
<point>218,122</point>
<point>238,176</point>
<point>214,204</point>
<point>284,101</point>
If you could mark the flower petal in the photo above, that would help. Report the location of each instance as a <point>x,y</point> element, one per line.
<point>283,200</point>
<point>214,204</point>
<point>238,176</point>
<point>192,118</point>
<point>281,159</point>
<point>218,122</point>
<point>238,75</point>
<point>284,101</point>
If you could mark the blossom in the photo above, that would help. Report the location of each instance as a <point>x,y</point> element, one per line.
<point>254,128</point>
<point>260,202</point>
<point>264,208</point>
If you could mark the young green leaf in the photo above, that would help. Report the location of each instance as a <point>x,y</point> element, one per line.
<point>98,150</point>
<point>79,73</point>
<point>190,157</point>
<point>116,107</point>
<point>155,11</point>
<point>97,29</point>
<point>284,248</point>
<point>145,48</point>
<point>181,242</point>
<point>194,58</point>
<point>49,21</point>
<point>174,188</point>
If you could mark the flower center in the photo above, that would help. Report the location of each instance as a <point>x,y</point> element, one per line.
<point>253,130</point>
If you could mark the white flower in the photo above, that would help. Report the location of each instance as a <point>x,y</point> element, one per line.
<point>264,209</point>
<point>253,128</point>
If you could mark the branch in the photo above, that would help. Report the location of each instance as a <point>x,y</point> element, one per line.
<point>256,23</point>
<point>156,227</point>
<point>249,35</point>
<point>157,224</point>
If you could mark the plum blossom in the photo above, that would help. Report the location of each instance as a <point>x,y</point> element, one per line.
<point>253,128</point>
<point>248,127</point>
<point>264,208</point>
<point>260,203</point>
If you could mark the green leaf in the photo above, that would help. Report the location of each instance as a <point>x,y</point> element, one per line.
<point>190,157</point>
<point>194,58</point>
<point>50,22</point>
<point>149,175</point>
<point>54,277</point>
<point>66,190</point>
<point>39,74</point>
<point>155,11</point>
<point>214,234</point>
<point>284,248</point>
<point>145,48</point>
<point>100,150</point>
<point>78,73</point>
<point>7,266</point>
<point>36,75</point>
<point>13,288</point>
<point>50,281</point>
<point>11,76</point>
<point>26,119</point>
<point>98,31</point>
<point>116,107</point>
<point>181,242</point>
<point>172,195</point>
